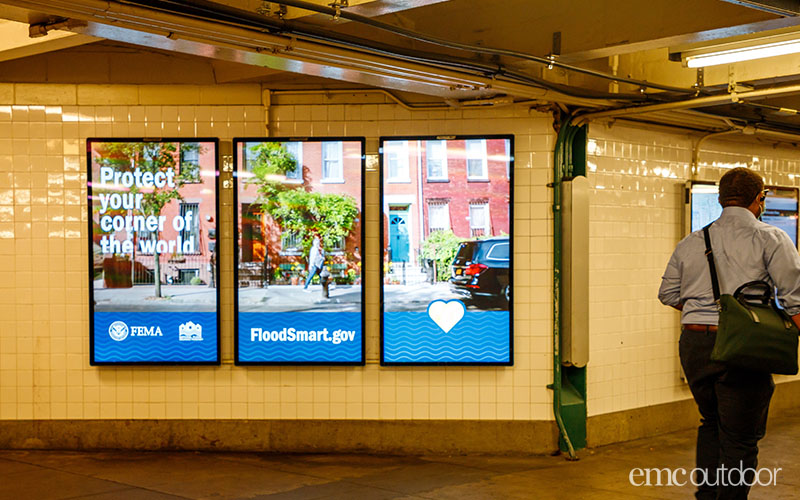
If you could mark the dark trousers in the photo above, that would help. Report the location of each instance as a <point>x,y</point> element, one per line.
<point>733,405</point>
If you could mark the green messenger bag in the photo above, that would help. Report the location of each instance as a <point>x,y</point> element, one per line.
<point>753,333</point>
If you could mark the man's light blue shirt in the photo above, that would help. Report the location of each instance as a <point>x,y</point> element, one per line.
<point>745,249</point>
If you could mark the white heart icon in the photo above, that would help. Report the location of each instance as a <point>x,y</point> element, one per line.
<point>446,314</point>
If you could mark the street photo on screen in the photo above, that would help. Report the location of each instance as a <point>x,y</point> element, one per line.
<point>153,229</point>
<point>299,268</point>
<point>447,249</point>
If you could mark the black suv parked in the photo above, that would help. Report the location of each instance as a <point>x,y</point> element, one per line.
<point>480,269</point>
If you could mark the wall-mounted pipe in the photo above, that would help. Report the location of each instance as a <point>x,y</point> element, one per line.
<point>701,140</point>
<point>686,104</point>
<point>406,105</point>
<point>451,104</point>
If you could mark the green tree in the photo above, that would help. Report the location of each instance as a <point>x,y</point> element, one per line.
<point>441,247</point>
<point>332,216</point>
<point>296,209</point>
<point>269,163</point>
<point>151,157</point>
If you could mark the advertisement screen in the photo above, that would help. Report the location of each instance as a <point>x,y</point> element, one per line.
<point>780,210</point>
<point>447,250</point>
<point>299,281</point>
<point>704,205</point>
<point>780,207</point>
<point>153,263</point>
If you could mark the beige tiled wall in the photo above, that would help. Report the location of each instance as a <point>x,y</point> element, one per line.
<point>44,359</point>
<point>636,209</point>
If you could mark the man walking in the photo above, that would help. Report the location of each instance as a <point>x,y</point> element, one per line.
<point>733,402</point>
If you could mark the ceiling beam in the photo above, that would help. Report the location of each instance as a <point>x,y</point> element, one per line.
<point>16,43</point>
<point>684,39</point>
<point>146,27</point>
<point>779,7</point>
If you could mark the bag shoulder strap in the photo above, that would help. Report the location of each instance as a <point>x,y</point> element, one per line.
<point>711,266</point>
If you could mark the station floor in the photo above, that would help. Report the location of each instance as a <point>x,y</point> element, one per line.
<point>601,473</point>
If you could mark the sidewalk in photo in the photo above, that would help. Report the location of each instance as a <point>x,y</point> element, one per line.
<point>142,298</point>
<point>600,474</point>
<point>283,298</point>
<point>274,298</point>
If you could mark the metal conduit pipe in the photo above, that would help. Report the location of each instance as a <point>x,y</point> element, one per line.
<point>561,169</point>
<point>497,101</point>
<point>700,141</point>
<point>405,105</point>
<point>688,103</point>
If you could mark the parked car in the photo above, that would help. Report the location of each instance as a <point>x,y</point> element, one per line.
<point>480,269</point>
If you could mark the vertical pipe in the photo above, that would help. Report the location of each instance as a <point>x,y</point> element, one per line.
<point>559,169</point>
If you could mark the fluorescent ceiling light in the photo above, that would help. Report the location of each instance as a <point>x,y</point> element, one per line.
<point>745,54</point>
<point>737,49</point>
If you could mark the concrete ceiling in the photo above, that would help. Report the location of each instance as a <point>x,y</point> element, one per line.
<point>121,42</point>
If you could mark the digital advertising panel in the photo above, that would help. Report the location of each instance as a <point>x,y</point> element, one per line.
<point>446,273</point>
<point>780,210</point>
<point>153,270</point>
<point>780,207</point>
<point>299,282</point>
<point>704,205</point>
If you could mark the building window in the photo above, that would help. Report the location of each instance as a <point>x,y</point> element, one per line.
<point>436,160</point>
<point>191,233</point>
<point>332,170</point>
<point>395,154</point>
<point>438,216</point>
<point>477,165</point>
<point>296,150</point>
<point>291,243</point>
<point>190,162</point>
<point>479,220</point>
<point>250,155</point>
<point>338,246</point>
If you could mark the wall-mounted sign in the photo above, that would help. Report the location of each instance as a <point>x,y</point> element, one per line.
<point>153,269</point>
<point>299,281</point>
<point>447,268</point>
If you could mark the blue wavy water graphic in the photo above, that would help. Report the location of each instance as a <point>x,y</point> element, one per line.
<point>256,351</point>
<point>480,337</point>
<point>167,348</point>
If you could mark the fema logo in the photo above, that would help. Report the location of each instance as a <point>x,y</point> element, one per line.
<point>118,331</point>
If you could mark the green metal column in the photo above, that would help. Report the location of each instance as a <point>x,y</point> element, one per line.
<point>569,382</point>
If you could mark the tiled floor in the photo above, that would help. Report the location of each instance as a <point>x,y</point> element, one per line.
<point>601,473</point>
